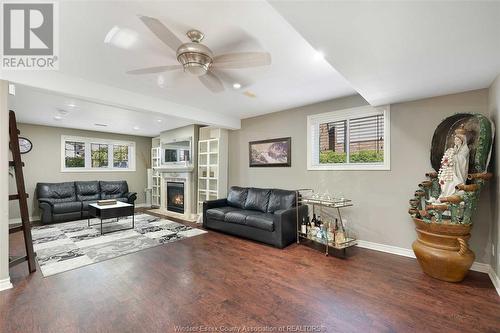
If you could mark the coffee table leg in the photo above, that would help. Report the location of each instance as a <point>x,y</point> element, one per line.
<point>101,226</point>
<point>133,220</point>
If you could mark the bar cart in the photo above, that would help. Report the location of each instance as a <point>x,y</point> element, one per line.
<point>319,205</point>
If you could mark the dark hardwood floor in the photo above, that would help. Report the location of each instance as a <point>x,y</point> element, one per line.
<point>215,280</point>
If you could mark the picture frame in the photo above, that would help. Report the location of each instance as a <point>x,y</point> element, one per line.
<point>270,153</point>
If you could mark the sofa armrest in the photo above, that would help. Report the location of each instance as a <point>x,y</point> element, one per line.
<point>46,206</point>
<point>285,223</point>
<point>212,204</point>
<point>131,197</point>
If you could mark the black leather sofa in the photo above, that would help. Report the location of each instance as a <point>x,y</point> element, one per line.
<point>60,202</point>
<point>264,215</point>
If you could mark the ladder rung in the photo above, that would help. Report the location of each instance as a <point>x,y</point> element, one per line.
<point>11,163</point>
<point>16,196</point>
<point>13,261</point>
<point>16,228</point>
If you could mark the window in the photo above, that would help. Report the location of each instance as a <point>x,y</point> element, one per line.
<point>89,154</point>
<point>120,156</point>
<point>99,153</point>
<point>352,139</point>
<point>74,154</point>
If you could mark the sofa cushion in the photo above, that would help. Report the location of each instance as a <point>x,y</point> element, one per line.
<point>113,189</point>
<point>85,204</point>
<point>237,196</point>
<point>56,192</point>
<point>86,191</point>
<point>238,216</point>
<point>264,221</point>
<point>257,199</point>
<point>219,213</point>
<point>67,207</point>
<point>281,200</point>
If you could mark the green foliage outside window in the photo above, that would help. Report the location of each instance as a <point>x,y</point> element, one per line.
<point>99,155</point>
<point>120,156</point>
<point>362,156</point>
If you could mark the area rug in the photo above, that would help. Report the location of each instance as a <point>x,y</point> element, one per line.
<point>66,246</point>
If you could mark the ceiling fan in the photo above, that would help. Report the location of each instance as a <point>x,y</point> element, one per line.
<point>197,59</point>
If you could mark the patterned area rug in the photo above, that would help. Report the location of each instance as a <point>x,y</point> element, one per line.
<point>66,246</point>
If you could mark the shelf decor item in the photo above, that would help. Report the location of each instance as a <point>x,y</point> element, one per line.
<point>106,202</point>
<point>270,153</point>
<point>443,205</point>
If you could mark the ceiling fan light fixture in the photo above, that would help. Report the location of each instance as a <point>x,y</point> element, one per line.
<point>195,58</point>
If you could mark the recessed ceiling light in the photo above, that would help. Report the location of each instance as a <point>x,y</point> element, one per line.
<point>160,80</point>
<point>136,128</point>
<point>71,105</point>
<point>159,120</point>
<point>236,85</point>
<point>57,117</point>
<point>121,37</point>
<point>319,55</point>
<point>100,125</point>
<point>62,112</point>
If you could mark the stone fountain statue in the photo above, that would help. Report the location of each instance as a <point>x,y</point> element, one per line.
<point>443,205</point>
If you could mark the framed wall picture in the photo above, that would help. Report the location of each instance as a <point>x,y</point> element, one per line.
<point>270,153</point>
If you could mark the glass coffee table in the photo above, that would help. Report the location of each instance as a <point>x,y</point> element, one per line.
<point>105,212</point>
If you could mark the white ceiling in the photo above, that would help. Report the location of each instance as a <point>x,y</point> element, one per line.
<point>36,106</point>
<point>388,51</point>
<point>295,77</point>
<point>397,51</point>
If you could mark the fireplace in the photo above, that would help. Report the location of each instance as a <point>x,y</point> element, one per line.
<point>175,197</point>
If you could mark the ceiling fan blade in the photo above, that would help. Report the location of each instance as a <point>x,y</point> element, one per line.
<point>242,60</point>
<point>162,32</point>
<point>212,82</point>
<point>156,69</point>
<point>231,78</point>
<point>237,40</point>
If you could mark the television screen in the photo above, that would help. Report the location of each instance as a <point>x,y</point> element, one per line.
<point>170,155</point>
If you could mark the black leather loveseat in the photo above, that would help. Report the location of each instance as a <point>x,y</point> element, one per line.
<point>68,201</point>
<point>264,215</point>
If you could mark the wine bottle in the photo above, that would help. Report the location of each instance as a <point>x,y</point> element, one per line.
<point>313,221</point>
<point>303,227</point>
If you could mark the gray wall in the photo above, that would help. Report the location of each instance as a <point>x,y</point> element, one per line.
<point>380,197</point>
<point>494,107</point>
<point>43,163</point>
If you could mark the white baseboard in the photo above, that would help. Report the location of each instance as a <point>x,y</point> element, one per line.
<point>400,251</point>
<point>5,284</point>
<point>495,279</point>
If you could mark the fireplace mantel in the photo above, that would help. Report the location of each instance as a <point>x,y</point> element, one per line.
<point>174,168</point>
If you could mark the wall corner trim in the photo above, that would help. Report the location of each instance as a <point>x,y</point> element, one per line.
<point>495,279</point>
<point>5,284</point>
<point>400,251</point>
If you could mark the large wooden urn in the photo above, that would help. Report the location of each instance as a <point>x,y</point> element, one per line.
<point>442,250</point>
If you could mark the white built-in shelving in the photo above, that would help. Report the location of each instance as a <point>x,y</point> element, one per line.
<point>212,164</point>
<point>156,181</point>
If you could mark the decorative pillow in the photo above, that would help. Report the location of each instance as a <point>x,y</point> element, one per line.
<point>281,200</point>
<point>237,196</point>
<point>258,199</point>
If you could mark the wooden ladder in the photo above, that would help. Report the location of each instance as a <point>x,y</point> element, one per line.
<point>21,195</point>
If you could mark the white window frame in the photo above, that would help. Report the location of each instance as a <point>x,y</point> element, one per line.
<point>313,122</point>
<point>88,160</point>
